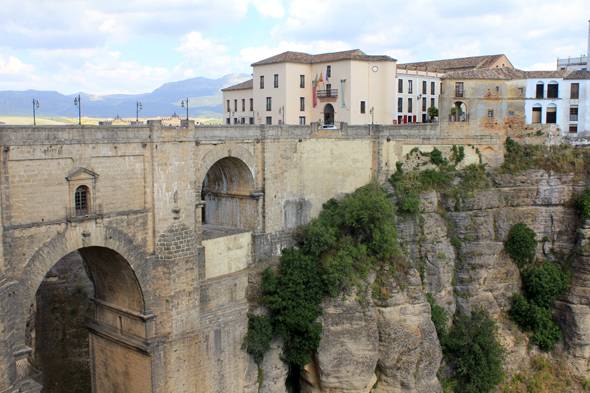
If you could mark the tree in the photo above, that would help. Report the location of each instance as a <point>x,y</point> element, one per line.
<point>432,111</point>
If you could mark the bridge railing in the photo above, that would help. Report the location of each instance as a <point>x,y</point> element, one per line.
<point>81,214</point>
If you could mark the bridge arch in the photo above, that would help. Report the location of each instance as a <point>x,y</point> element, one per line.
<point>119,331</point>
<point>226,181</point>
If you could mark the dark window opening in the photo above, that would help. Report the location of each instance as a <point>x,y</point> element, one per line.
<point>409,105</point>
<point>235,105</point>
<point>400,86</point>
<point>573,128</point>
<point>575,91</point>
<point>302,120</point>
<point>573,114</point>
<point>423,104</point>
<point>268,103</point>
<point>228,107</point>
<point>301,103</point>
<point>251,120</point>
<point>276,80</point>
<point>82,201</point>
<point>432,102</point>
<point>362,106</point>
<point>329,72</point>
<point>243,105</point>
<point>409,87</point>
<point>262,81</point>
<point>490,113</point>
<point>302,81</point>
<point>268,120</point>
<point>424,87</point>
<point>251,104</point>
<point>432,88</point>
<point>552,90</point>
<point>551,116</point>
<point>400,104</point>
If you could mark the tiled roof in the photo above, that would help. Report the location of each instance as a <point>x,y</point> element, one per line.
<point>578,74</point>
<point>512,73</point>
<point>298,57</point>
<point>240,86</point>
<point>454,64</point>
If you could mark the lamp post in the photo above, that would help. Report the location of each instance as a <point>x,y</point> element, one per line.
<point>282,112</point>
<point>183,102</point>
<point>139,107</point>
<point>78,103</point>
<point>35,106</point>
<point>372,115</point>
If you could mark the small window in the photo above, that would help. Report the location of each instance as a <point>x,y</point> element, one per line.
<point>251,120</point>
<point>243,120</point>
<point>511,114</point>
<point>552,90</point>
<point>503,65</point>
<point>276,80</point>
<point>235,105</point>
<point>424,87</point>
<point>490,113</point>
<point>497,88</point>
<point>573,128</point>
<point>268,103</point>
<point>410,87</point>
<point>400,85</point>
<point>551,117</point>
<point>268,120</point>
<point>363,106</point>
<point>423,104</point>
<point>409,105</point>
<point>235,120</point>
<point>432,102</point>
<point>301,103</point>
<point>251,104</point>
<point>262,81</point>
<point>537,114</point>
<point>227,121</point>
<point>228,107</point>
<point>302,120</point>
<point>400,104</point>
<point>82,201</point>
<point>575,91</point>
<point>328,71</point>
<point>243,105</point>
<point>440,92</point>
<point>458,89</point>
<point>574,113</point>
<point>432,87</point>
<point>520,91</point>
<point>302,81</point>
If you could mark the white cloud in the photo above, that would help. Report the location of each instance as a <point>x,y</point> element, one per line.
<point>269,8</point>
<point>14,66</point>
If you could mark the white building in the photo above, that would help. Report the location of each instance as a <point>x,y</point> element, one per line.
<point>575,63</point>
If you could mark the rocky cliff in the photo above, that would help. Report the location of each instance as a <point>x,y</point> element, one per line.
<point>381,338</point>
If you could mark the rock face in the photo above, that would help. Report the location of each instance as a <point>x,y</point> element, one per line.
<point>390,345</point>
<point>272,375</point>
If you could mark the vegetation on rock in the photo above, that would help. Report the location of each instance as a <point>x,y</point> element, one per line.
<point>542,282</point>
<point>347,239</point>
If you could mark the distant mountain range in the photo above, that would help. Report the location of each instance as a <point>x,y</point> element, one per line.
<point>204,96</point>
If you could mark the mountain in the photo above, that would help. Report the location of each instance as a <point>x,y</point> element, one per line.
<point>204,95</point>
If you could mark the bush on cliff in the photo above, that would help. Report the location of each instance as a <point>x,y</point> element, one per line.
<point>348,237</point>
<point>582,203</point>
<point>473,342</point>
<point>521,244</point>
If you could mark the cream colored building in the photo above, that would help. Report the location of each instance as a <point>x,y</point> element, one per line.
<point>351,87</point>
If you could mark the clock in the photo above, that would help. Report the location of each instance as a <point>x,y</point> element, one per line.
<point>375,68</point>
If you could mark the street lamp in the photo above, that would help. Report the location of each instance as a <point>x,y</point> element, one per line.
<point>139,107</point>
<point>78,103</point>
<point>35,106</point>
<point>186,108</point>
<point>282,112</point>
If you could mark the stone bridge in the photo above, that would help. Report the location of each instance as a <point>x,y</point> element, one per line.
<point>167,221</point>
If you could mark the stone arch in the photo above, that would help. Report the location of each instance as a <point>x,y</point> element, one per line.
<point>97,241</point>
<point>329,115</point>
<point>223,151</point>
<point>460,111</point>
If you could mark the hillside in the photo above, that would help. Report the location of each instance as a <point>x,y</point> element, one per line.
<point>204,96</point>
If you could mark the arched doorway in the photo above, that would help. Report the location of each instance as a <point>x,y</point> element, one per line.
<point>228,190</point>
<point>328,114</point>
<point>87,326</point>
<point>459,112</point>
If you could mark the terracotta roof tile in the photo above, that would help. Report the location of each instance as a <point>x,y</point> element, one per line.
<point>578,74</point>
<point>510,73</point>
<point>298,57</point>
<point>455,64</point>
<point>240,86</point>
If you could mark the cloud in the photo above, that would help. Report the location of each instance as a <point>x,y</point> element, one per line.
<point>13,66</point>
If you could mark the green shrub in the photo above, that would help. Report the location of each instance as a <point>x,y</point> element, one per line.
<point>478,354</point>
<point>410,206</point>
<point>439,317</point>
<point>539,320</point>
<point>543,282</point>
<point>258,337</point>
<point>521,244</point>
<point>436,157</point>
<point>582,203</point>
<point>458,154</point>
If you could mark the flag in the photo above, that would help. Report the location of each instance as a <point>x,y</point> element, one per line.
<point>321,80</point>
<point>327,80</point>
<point>315,81</point>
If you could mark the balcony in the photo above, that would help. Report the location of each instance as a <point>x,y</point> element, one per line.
<point>329,93</point>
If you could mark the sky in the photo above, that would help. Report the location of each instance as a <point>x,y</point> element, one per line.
<point>132,46</point>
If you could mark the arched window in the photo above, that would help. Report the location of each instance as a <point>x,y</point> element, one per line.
<point>82,201</point>
<point>552,89</point>
<point>551,117</point>
<point>537,112</point>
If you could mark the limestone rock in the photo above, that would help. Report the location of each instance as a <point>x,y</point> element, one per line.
<point>274,371</point>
